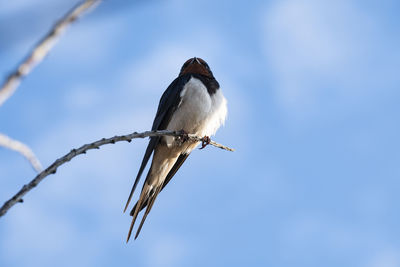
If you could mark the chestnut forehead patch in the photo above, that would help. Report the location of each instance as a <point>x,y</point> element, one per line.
<point>195,68</point>
<point>196,65</point>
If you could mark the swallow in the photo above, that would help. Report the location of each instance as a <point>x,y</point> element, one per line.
<point>193,103</point>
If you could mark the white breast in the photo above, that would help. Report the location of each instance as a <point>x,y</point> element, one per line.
<point>198,113</point>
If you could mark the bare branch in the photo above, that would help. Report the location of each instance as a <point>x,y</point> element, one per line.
<point>41,49</point>
<point>95,145</point>
<point>21,148</point>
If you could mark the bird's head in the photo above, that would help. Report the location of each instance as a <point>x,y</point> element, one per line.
<point>196,65</point>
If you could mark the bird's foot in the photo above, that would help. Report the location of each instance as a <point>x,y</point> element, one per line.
<point>205,141</point>
<point>183,136</point>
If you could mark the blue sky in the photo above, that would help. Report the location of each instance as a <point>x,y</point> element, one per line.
<point>312,89</point>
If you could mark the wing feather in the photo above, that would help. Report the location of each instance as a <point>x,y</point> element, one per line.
<point>169,102</point>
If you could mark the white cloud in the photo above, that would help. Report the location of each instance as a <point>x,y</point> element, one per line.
<point>317,51</point>
<point>385,258</point>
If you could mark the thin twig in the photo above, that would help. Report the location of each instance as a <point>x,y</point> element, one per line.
<point>42,48</point>
<point>35,57</point>
<point>21,148</point>
<point>95,145</point>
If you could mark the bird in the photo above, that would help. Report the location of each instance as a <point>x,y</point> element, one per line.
<point>193,104</point>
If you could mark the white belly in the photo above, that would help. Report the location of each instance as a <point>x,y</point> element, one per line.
<point>198,113</point>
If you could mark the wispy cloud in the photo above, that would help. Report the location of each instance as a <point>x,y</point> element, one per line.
<point>321,52</point>
<point>388,257</point>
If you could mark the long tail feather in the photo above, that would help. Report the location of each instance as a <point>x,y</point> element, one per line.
<point>149,150</point>
<point>143,196</point>
<point>149,206</point>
